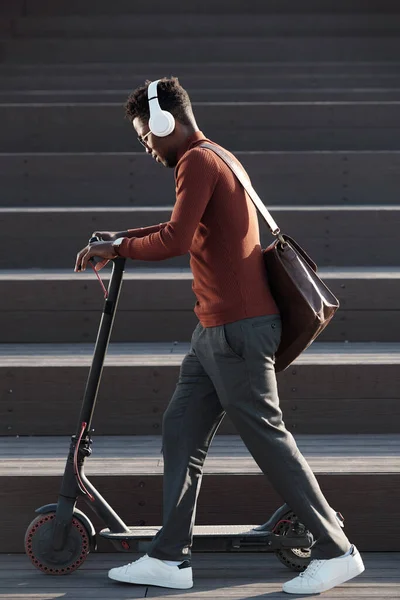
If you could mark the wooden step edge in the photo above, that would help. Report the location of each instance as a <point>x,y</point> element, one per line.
<point>368,454</point>
<point>243,153</point>
<point>284,103</point>
<point>142,273</point>
<point>359,208</point>
<point>292,20</point>
<point>310,93</point>
<point>182,273</point>
<point>206,68</point>
<point>171,354</point>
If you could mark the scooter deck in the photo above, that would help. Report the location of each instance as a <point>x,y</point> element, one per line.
<point>203,531</point>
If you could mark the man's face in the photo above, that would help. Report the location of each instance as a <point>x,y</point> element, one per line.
<point>162,149</point>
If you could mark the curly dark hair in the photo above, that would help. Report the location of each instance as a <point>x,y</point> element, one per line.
<point>171,96</point>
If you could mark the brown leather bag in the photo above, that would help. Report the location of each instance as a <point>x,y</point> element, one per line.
<point>306,304</point>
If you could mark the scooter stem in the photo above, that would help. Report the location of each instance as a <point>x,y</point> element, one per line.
<point>103,338</point>
<point>70,489</point>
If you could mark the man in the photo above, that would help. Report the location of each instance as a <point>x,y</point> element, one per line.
<point>230,365</point>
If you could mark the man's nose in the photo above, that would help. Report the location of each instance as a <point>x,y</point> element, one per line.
<point>148,150</point>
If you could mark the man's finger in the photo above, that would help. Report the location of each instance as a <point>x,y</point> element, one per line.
<point>85,259</point>
<point>78,266</point>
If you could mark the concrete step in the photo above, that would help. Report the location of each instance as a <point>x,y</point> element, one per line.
<point>237,81</point>
<point>156,305</point>
<point>90,7</point>
<point>333,235</point>
<point>171,25</point>
<point>283,126</point>
<point>25,88</point>
<point>351,388</point>
<point>131,179</point>
<point>207,49</point>
<point>128,471</point>
<point>386,94</point>
<point>199,74</point>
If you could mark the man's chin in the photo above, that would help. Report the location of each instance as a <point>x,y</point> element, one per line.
<point>170,160</point>
<point>169,164</point>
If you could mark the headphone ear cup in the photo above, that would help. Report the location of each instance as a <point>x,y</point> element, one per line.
<point>162,123</point>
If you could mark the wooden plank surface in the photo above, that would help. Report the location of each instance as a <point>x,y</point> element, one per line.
<point>239,576</point>
<point>154,326</point>
<point>171,25</point>
<point>351,388</point>
<point>330,234</point>
<point>387,94</point>
<point>225,499</point>
<point>111,85</point>
<point>144,326</point>
<point>12,8</point>
<point>172,354</point>
<point>67,7</point>
<point>157,305</point>
<point>274,49</point>
<point>24,412</point>
<point>157,288</point>
<point>384,217</point>
<point>130,179</point>
<point>285,125</point>
<point>215,70</point>
<point>120,75</point>
<point>334,454</point>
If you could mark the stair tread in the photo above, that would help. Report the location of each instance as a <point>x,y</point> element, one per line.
<point>309,103</point>
<point>156,209</point>
<point>227,68</point>
<point>135,455</point>
<point>277,94</point>
<point>172,353</point>
<point>183,273</point>
<point>122,153</point>
<point>141,23</point>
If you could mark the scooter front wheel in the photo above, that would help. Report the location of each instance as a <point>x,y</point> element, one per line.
<point>296,559</point>
<point>38,546</point>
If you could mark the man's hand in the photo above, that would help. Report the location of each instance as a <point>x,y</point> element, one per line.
<point>102,249</point>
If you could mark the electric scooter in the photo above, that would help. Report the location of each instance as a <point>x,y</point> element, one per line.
<point>60,538</point>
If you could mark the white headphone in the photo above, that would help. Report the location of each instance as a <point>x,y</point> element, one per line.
<point>161,122</point>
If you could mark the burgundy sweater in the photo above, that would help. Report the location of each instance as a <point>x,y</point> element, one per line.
<point>216,222</point>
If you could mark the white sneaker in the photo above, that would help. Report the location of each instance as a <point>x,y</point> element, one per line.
<point>152,571</point>
<point>322,575</point>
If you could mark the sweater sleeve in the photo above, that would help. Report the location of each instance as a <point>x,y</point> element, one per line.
<point>196,177</point>
<point>143,231</point>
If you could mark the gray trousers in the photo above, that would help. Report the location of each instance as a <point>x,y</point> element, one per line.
<point>229,369</point>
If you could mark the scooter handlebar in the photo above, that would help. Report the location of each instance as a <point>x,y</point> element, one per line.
<point>98,259</point>
<point>95,259</point>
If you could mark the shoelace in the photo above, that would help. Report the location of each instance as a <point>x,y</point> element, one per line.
<point>312,568</point>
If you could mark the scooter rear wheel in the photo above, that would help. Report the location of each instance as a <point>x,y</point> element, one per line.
<point>296,559</point>
<point>38,546</point>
